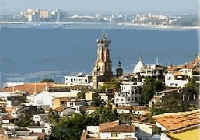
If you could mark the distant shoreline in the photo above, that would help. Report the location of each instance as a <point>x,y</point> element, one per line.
<point>66,25</point>
<point>160,26</point>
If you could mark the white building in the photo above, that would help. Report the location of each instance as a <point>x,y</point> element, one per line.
<point>40,129</point>
<point>41,118</point>
<point>173,80</point>
<point>46,98</point>
<point>148,70</point>
<point>12,84</point>
<point>137,110</point>
<point>110,130</point>
<point>79,79</point>
<point>129,95</point>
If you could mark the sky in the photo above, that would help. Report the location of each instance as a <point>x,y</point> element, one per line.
<point>103,5</point>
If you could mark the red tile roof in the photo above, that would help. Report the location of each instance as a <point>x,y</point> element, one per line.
<point>107,125</point>
<point>176,121</point>
<point>119,128</point>
<point>31,88</point>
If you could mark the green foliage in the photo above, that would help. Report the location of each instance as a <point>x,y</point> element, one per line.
<point>104,114</point>
<point>23,120</point>
<point>125,118</point>
<point>172,104</point>
<point>193,86</point>
<point>70,128</point>
<point>114,85</point>
<point>53,117</point>
<point>47,80</point>
<point>97,101</point>
<point>150,87</point>
<point>81,95</point>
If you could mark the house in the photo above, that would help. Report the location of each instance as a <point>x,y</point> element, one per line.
<point>148,70</point>
<point>146,131</point>
<point>31,88</point>
<point>40,129</point>
<point>182,125</point>
<point>40,119</point>
<point>129,95</point>
<point>178,76</point>
<point>179,95</point>
<point>72,103</point>
<point>110,130</point>
<point>59,102</point>
<point>45,98</point>
<point>79,79</point>
<point>12,84</point>
<point>176,79</point>
<point>157,98</point>
<point>89,96</point>
<point>137,110</point>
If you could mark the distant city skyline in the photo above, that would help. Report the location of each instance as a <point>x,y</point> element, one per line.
<point>103,5</point>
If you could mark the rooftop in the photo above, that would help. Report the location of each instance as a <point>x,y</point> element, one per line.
<point>119,128</point>
<point>31,88</point>
<point>116,127</point>
<point>178,121</point>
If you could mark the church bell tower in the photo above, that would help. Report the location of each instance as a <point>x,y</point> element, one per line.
<point>102,71</point>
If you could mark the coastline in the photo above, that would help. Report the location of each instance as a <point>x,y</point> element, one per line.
<point>161,26</point>
<point>92,25</point>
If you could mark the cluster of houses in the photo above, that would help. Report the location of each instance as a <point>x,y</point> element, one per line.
<point>36,100</point>
<point>168,126</point>
<point>17,97</point>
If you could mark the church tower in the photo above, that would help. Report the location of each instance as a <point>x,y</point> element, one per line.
<point>119,70</point>
<point>102,71</point>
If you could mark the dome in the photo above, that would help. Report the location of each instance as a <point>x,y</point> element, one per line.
<point>139,66</point>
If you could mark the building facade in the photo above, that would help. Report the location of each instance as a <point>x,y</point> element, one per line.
<point>79,79</point>
<point>130,95</point>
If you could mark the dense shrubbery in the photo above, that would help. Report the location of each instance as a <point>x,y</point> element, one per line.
<point>150,87</point>
<point>70,128</point>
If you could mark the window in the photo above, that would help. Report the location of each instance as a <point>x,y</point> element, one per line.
<point>114,134</point>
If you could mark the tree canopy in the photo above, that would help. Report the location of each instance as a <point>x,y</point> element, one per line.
<point>150,87</point>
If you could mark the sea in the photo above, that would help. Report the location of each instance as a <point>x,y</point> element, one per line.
<point>34,53</point>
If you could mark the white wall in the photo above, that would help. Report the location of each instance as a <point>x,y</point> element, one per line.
<point>78,80</point>
<point>171,82</point>
<point>121,135</point>
<point>46,98</point>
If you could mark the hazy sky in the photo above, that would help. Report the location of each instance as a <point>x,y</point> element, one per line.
<point>103,5</point>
